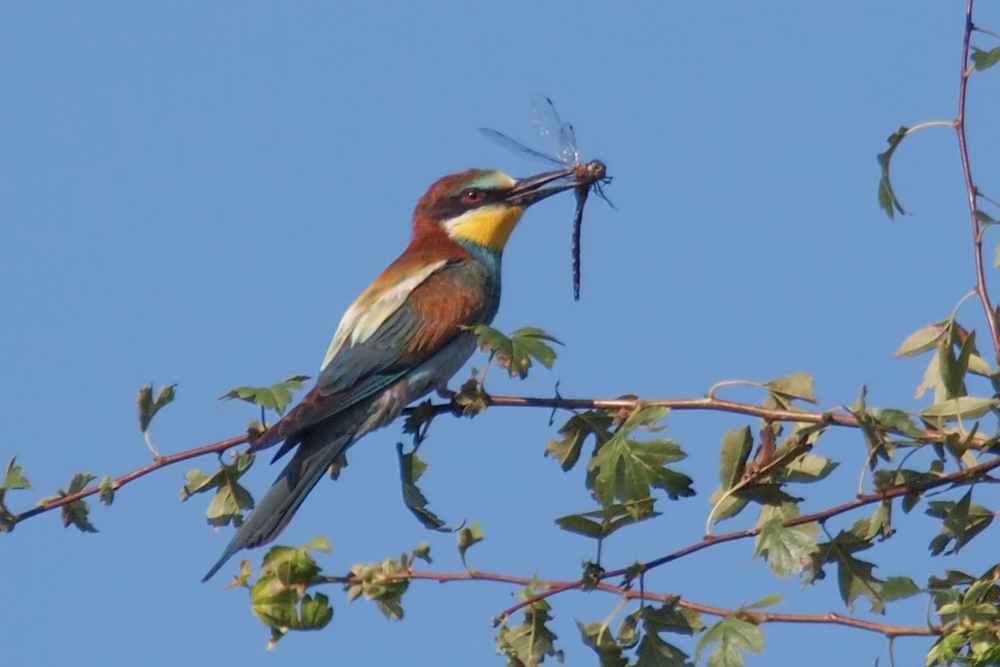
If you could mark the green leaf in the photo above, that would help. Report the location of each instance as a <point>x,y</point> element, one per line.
<point>899,588</point>
<point>728,507</point>
<point>468,536</point>
<point>148,407</point>
<point>314,613</point>
<point>932,379</point>
<point>13,480</point>
<point>735,450</point>
<point>77,512</point>
<point>410,470</point>
<point>276,397</point>
<point>601,523</point>
<point>108,488</point>
<point>515,353</point>
<point>654,652</point>
<point>13,477</point>
<point>736,446</point>
<point>670,618</point>
<point>231,499</point>
<point>983,218</point>
<point>897,420</point>
<point>887,199</point>
<point>923,340</point>
<point>808,468</point>
<point>795,386</point>
<point>627,469</point>
<point>423,552</point>
<point>961,521</point>
<point>985,59</point>
<point>963,407</point>
<point>764,602</point>
<point>528,644</point>
<point>733,635</point>
<point>786,550</point>
<point>581,525</point>
<point>855,576</point>
<point>598,637</point>
<point>575,432</point>
<point>885,480</point>
<point>979,366</point>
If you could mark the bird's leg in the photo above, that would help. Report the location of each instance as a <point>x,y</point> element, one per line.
<point>445,393</point>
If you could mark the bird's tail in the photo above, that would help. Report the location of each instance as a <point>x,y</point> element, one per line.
<point>315,455</point>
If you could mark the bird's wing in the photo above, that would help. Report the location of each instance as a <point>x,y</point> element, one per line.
<point>383,337</point>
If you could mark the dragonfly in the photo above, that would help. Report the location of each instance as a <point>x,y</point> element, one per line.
<point>560,148</point>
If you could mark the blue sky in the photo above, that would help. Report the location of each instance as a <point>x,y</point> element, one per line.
<point>193,194</point>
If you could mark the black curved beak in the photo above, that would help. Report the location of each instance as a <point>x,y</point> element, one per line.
<point>528,191</point>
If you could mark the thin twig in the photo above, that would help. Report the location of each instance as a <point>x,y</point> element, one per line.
<point>970,187</point>
<point>132,476</point>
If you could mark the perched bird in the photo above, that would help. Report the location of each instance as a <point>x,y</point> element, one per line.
<point>405,336</point>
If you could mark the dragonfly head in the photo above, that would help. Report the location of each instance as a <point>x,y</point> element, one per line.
<point>483,207</point>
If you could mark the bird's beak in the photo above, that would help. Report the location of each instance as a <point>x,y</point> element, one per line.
<point>529,190</point>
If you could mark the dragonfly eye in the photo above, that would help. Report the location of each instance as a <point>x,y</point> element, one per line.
<point>472,196</point>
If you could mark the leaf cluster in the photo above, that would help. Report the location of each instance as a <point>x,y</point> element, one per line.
<point>231,498</point>
<point>278,598</point>
<point>970,609</point>
<point>640,640</point>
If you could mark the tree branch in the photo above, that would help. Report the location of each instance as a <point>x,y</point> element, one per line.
<point>708,403</point>
<point>553,587</point>
<point>712,540</point>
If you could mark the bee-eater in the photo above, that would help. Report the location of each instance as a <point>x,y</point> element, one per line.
<point>405,336</point>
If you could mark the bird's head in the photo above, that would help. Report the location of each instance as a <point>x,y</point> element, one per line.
<point>483,207</point>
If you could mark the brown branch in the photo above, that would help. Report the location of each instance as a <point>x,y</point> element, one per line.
<point>829,417</point>
<point>552,587</point>
<point>970,188</point>
<point>707,403</point>
<point>822,516</point>
<point>160,462</point>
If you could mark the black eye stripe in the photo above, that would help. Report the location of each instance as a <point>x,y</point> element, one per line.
<point>454,206</point>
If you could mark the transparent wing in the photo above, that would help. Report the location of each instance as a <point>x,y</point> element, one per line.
<point>555,138</point>
<point>517,146</point>
<point>568,152</point>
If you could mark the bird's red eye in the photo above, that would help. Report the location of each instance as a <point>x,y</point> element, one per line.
<point>472,196</point>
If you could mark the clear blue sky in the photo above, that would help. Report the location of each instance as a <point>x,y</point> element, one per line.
<point>194,193</point>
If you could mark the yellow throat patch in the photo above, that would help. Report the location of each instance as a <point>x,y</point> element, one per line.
<point>489,226</point>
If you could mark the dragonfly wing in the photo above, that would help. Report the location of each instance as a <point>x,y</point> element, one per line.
<point>517,146</point>
<point>550,128</point>
<point>568,152</point>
